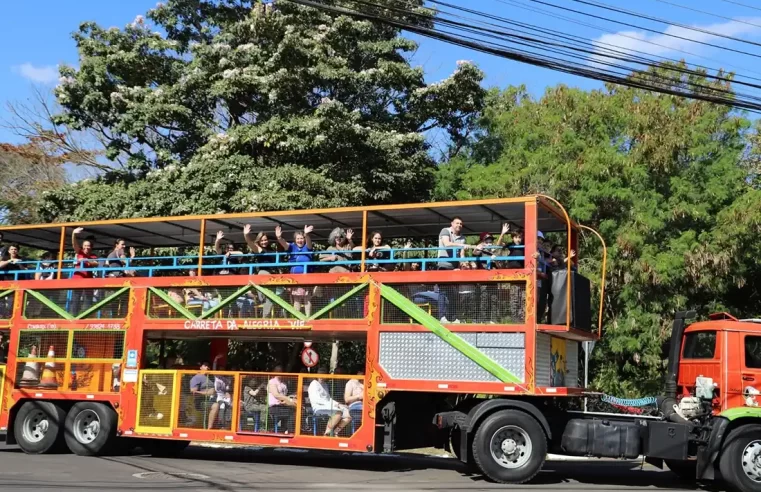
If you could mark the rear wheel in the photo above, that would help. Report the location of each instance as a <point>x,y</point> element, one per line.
<point>740,462</point>
<point>510,447</point>
<point>37,427</point>
<point>90,428</point>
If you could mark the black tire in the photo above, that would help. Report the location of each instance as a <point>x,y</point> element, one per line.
<point>737,445</point>
<point>527,441</point>
<point>685,470</point>
<point>38,427</point>
<point>90,428</point>
<point>164,448</point>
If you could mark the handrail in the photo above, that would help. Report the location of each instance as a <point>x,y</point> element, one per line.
<point>185,263</point>
<point>568,252</point>
<point>602,280</point>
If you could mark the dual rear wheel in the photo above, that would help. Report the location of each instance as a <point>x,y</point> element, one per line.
<point>87,429</point>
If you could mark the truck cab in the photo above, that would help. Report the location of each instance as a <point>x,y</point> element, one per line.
<point>728,351</point>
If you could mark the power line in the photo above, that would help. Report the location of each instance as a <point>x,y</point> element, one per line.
<point>604,6</point>
<point>585,43</point>
<point>624,35</point>
<point>645,28</point>
<point>638,80</point>
<point>742,5</point>
<point>685,7</point>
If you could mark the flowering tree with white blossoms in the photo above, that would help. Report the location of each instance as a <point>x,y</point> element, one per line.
<point>238,105</point>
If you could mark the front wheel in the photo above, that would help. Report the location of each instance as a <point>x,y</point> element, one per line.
<point>510,447</point>
<point>90,428</point>
<point>740,462</point>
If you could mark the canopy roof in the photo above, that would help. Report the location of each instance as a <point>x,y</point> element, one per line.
<point>393,221</point>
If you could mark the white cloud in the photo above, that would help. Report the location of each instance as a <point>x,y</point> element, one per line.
<point>43,75</point>
<point>667,45</point>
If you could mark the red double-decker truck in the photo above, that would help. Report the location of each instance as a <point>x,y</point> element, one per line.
<point>471,316</point>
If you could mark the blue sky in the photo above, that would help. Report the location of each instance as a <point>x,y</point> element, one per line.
<point>36,37</point>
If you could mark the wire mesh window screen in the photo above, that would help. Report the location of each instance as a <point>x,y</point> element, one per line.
<point>48,375</point>
<point>92,303</point>
<point>39,343</point>
<point>206,400</point>
<point>493,302</point>
<point>156,395</point>
<point>6,305</point>
<point>89,344</point>
<point>329,408</point>
<point>268,403</point>
<point>94,378</point>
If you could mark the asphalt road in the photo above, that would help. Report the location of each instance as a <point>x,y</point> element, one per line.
<point>234,470</point>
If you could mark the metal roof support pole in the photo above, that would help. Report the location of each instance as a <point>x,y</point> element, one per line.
<point>364,240</point>
<point>61,248</point>
<point>201,246</point>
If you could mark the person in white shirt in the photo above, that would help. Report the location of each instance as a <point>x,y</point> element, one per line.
<point>323,404</point>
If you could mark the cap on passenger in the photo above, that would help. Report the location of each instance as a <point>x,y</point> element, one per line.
<point>539,233</point>
<point>484,236</point>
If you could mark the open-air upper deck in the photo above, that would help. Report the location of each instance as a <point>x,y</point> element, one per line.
<point>484,278</point>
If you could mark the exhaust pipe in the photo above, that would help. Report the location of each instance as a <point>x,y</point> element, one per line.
<point>668,401</point>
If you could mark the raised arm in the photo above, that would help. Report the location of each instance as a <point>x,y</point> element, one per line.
<point>349,237</point>
<point>218,242</point>
<point>279,236</point>
<point>307,230</point>
<point>249,240</point>
<point>74,241</point>
<point>505,230</point>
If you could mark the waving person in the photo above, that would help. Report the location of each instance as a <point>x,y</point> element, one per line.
<point>299,254</point>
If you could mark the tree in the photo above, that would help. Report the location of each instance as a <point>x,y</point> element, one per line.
<point>33,121</point>
<point>668,182</point>
<point>28,174</point>
<point>243,106</point>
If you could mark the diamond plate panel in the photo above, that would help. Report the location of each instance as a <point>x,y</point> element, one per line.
<point>425,356</point>
<point>500,340</point>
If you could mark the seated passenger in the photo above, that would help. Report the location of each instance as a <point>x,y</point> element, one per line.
<point>13,263</point>
<point>299,253</point>
<point>282,406</point>
<point>192,296</point>
<point>202,391</point>
<point>47,269</point>
<point>486,252</point>
<point>116,259</point>
<point>223,390</point>
<point>323,404</point>
<point>339,249</point>
<point>354,393</point>
<point>376,250</point>
<point>516,250</point>
<point>232,256</point>
<point>451,244</point>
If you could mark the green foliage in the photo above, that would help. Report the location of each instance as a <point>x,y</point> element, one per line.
<point>243,106</point>
<point>670,183</point>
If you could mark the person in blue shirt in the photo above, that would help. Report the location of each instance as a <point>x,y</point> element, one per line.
<point>299,253</point>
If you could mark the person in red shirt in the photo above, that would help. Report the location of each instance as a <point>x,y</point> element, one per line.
<point>86,259</point>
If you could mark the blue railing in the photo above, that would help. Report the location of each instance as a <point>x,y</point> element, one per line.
<point>183,264</point>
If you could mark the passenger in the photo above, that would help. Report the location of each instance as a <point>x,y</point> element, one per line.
<point>202,391</point>
<point>323,404</point>
<point>223,390</point>
<point>47,269</point>
<point>282,406</point>
<point>194,297</point>
<point>451,243</point>
<point>339,249</point>
<point>232,256</point>
<point>354,393</point>
<point>516,250</point>
<point>376,251</point>
<point>299,253</point>
<point>117,259</point>
<point>559,259</point>
<point>266,253</point>
<point>13,264</point>
<point>485,253</point>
